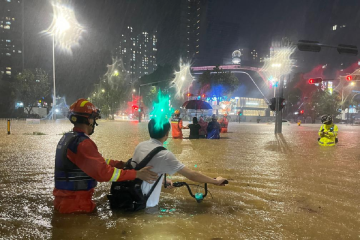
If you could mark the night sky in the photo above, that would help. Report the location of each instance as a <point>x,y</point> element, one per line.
<point>260,22</point>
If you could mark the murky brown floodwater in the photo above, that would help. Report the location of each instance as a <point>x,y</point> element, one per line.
<point>280,187</point>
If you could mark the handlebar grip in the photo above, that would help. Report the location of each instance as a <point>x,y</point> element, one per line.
<point>225,182</point>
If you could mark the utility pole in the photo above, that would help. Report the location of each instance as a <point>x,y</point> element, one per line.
<point>279,94</point>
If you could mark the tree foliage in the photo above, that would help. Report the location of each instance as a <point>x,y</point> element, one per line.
<point>110,93</point>
<point>164,75</point>
<point>322,102</point>
<point>31,86</point>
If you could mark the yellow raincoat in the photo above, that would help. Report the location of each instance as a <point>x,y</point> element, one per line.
<point>328,134</point>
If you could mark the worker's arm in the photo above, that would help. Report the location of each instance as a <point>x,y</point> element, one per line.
<point>115,163</point>
<point>88,159</point>
<point>198,177</point>
<point>334,132</point>
<point>180,124</point>
<point>321,132</point>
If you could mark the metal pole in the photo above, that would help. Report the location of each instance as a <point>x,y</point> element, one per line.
<point>54,97</point>
<point>8,126</point>
<point>139,105</point>
<point>278,121</point>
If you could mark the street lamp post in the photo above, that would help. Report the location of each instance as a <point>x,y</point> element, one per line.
<point>54,97</point>
<point>67,32</point>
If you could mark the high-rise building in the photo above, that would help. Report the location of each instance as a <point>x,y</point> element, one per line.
<point>192,22</point>
<point>11,38</point>
<point>138,52</point>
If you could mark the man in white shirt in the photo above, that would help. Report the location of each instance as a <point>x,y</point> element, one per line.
<point>165,162</point>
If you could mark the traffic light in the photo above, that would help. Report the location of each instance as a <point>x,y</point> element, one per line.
<point>189,95</point>
<point>272,105</point>
<point>282,103</point>
<point>315,80</point>
<point>203,96</point>
<point>240,113</point>
<point>349,78</point>
<point>301,112</point>
<point>309,46</point>
<point>135,108</point>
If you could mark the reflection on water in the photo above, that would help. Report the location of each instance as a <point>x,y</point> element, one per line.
<point>281,187</point>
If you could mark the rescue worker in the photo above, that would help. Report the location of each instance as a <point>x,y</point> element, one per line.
<point>328,132</point>
<point>176,126</point>
<point>213,128</point>
<point>224,122</point>
<point>79,165</point>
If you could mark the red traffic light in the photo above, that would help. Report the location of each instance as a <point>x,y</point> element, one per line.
<point>135,107</point>
<point>314,80</point>
<point>349,78</point>
<point>189,95</point>
<point>203,96</point>
<point>302,112</point>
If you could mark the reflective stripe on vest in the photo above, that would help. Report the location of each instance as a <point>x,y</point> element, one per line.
<point>68,176</point>
<point>107,160</point>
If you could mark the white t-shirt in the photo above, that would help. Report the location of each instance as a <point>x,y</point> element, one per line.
<point>163,162</point>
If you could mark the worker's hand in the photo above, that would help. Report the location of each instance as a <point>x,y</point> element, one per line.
<point>220,181</point>
<point>169,184</point>
<point>146,175</point>
<point>120,165</point>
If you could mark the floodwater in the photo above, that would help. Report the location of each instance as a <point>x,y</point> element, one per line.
<point>281,187</point>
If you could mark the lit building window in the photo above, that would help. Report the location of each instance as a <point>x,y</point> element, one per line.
<point>8,68</point>
<point>7,40</point>
<point>8,0</point>
<point>334,27</point>
<point>7,27</point>
<point>8,72</point>
<point>8,23</point>
<point>8,54</point>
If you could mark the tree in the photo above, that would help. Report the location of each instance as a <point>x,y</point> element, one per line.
<point>7,97</point>
<point>218,82</point>
<point>164,75</point>
<point>322,102</point>
<point>31,86</point>
<point>112,90</point>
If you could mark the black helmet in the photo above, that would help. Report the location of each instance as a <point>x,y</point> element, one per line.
<point>326,119</point>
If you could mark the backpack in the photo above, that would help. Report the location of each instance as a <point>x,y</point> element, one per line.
<point>127,195</point>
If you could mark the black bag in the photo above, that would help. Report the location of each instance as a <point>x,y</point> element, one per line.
<point>127,195</point>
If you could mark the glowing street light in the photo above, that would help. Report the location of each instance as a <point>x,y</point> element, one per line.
<point>134,90</point>
<point>66,33</point>
<point>103,90</point>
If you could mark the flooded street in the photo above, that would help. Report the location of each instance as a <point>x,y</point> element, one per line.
<point>280,187</point>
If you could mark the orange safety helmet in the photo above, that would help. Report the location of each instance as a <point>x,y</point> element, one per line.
<point>83,108</point>
<point>225,115</point>
<point>177,112</point>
